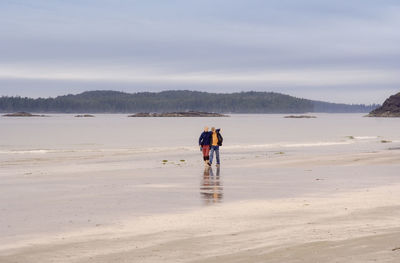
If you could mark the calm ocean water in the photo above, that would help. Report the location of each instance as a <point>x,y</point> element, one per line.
<point>111,132</point>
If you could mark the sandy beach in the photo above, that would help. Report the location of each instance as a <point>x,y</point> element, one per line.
<point>322,208</point>
<point>246,131</point>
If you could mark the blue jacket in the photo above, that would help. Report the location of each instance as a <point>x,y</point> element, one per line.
<point>205,138</point>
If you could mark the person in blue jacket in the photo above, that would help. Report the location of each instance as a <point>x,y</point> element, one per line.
<point>205,143</point>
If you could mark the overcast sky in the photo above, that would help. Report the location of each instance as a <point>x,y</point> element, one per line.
<point>342,50</point>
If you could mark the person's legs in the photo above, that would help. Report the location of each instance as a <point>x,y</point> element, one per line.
<point>212,154</point>
<point>217,154</point>
<point>208,155</point>
<point>206,152</point>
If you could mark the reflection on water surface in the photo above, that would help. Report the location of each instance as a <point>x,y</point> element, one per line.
<point>211,188</point>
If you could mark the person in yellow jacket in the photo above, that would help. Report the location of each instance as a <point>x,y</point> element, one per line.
<point>216,142</point>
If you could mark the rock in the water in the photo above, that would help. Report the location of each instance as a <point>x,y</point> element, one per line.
<point>22,114</point>
<point>300,117</point>
<point>84,116</point>
<point>390,108</point>
<point>179,114</point>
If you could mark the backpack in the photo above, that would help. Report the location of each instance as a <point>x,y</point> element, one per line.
<point>220,139</point>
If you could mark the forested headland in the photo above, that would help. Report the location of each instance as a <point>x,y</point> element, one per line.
<point>176,100</point>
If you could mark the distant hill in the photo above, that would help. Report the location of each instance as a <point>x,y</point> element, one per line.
<point>173,100</point>
<point>390,108</point>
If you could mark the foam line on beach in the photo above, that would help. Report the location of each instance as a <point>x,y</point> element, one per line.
<point>357,139</point>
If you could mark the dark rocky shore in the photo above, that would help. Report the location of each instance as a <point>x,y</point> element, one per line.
<point>300,117</point>
<point>84,116</point>
<point>23,114</point>
<point>390,108</point>
<point>179,114</point>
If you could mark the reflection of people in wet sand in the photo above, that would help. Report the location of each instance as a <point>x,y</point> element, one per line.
<point>211,188</point>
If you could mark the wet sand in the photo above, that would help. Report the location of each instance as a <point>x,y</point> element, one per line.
<point>284,208</point>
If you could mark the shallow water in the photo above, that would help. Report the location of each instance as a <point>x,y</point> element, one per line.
<point>110,143</point>
<point>113,132</point>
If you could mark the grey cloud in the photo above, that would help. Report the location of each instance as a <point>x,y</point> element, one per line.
<point>182,36</point>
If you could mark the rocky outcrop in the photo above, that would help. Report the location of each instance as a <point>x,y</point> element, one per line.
<point>23,114</point>
<point>390,108</point>
<point>84,116</point>
<point>179,114</point>
<point>300,117</point>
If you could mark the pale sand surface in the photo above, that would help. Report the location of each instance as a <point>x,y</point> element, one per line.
<point>285,208</point>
